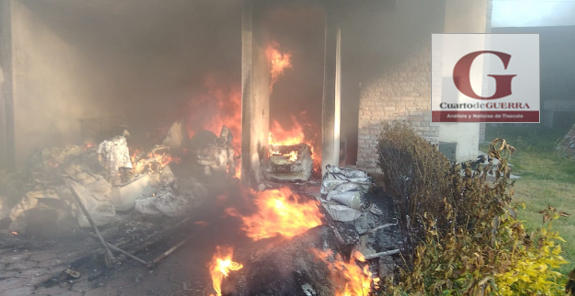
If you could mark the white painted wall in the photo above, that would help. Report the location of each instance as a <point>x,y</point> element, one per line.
<point>463,16</point>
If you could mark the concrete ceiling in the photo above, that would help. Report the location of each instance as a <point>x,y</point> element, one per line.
<point>143,24</point>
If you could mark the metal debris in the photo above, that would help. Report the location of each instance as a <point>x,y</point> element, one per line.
<point>289,164</point>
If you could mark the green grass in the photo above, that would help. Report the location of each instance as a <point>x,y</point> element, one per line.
<point>546,178</point>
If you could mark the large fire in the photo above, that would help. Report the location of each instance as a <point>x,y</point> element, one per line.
<point>140,160</point>
<point>278,136</point>
<point>350,279</point>
<point>221,266</point>
<point>216,105</point>
<point>219,104</point>
<point>279,212</point>
<point>279,62</point>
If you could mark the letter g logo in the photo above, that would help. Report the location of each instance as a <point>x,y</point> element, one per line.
<point>462,81</point>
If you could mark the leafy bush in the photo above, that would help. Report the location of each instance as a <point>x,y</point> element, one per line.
<point>461,233</point>
<point>416,175</point>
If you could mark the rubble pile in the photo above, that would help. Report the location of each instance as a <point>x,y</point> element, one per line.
<point>213,155</point>
<point>345,186</point>
<point>177,138</point>
<point>349,199</point>
<point>280,267</point>
<point>355,244</point>
<point>107,181</point>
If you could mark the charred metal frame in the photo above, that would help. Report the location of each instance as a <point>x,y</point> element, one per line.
<point>282,168</point>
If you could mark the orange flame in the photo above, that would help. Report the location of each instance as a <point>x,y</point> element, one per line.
<point>292,156</point>
<point>88,144</point>
<point>140,159</point>
<point>278,136</point>
<point>164,158</point>
<point>350,278</point>
<point>279,212</point>
<point>134,155</point>
<point>221,266</point>
<point>279,62</point>
<point>201,223</point>
<point>219,104</point>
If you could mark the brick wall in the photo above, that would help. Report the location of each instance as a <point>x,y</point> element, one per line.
<point>389,56</point>
<point>400,87</point>
<point>402,92</point>
<point>489,16</point>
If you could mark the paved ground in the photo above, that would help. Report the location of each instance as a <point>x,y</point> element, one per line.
<point>21,270</point>
<point>184,272</point>
<point>38,269</point>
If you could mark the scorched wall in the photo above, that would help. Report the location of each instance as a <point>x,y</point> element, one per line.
<point>141,62</point>
<point>49,85</point>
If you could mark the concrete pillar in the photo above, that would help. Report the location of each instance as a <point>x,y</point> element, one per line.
<point>464,16</point>
<point>331,101</point>
<point>255,94</point>
<point>488,21</point>
<point>7,140</point>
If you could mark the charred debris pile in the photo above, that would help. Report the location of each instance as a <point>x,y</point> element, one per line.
<point>339,241</point>
<point>343,243</point>
<point>119,198</point>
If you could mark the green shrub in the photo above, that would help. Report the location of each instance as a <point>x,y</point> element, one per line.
<point>461,233</point>
<point>415,174</point>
